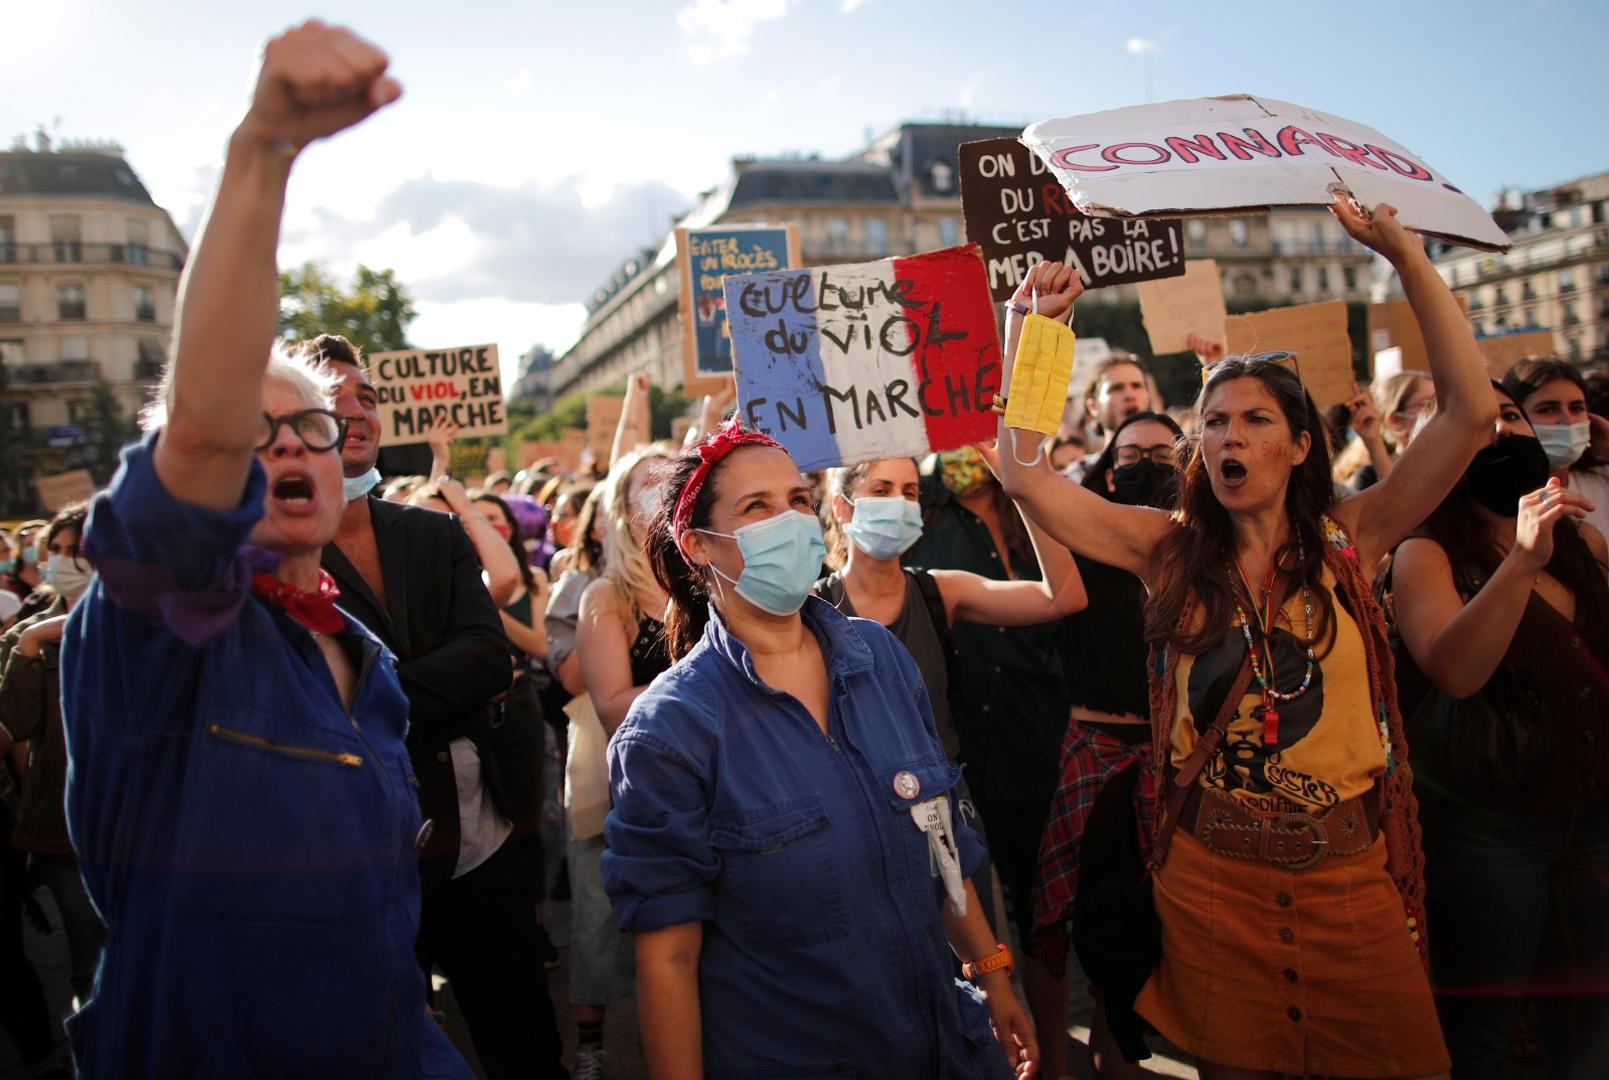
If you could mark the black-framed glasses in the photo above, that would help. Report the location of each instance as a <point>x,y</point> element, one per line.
<point>319,429</point>
<point>1161,454</point>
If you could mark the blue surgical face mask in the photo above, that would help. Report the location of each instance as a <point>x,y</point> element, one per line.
<point>30,556</point>
<point>884,528</point>
<point>7,565</point>
<point>782,558</point>
<point>1564,443</point>
<point>355,487</point>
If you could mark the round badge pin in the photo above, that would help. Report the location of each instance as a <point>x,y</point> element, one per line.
<point>906,785</point>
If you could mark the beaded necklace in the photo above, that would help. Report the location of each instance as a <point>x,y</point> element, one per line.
<point>1267,711</point>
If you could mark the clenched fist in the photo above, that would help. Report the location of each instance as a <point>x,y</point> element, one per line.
<point>316,80</point>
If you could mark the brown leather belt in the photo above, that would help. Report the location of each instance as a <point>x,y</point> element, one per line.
<point>1290,841</point>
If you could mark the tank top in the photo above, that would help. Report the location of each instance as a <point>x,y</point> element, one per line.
<point>914,628</point>
<point>649,654</point>
<point>520,611</point>
<point>1329,747</point>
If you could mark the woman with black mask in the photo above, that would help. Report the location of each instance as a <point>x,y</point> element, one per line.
<point>1502,606</point>
<point>1109,729</point>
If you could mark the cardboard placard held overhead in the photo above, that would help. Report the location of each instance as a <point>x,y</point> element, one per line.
<point>1392,325</point>
<point>603,418</point>
<point>1316,333</point>
<point>1503,351</point>
<point>61,490</point>
<point>844,364</point>
<point>421,389</point>
<point>1387,362</point>
<point>1245,153</point>
<point>704,258</point>
<point>1019,215</point>
<point>572,441</point>
<point>1174,308</point>
<point>532,451</point>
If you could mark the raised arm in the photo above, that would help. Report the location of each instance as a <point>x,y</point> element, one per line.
<point>712,411</point>
<point>1381,516</point>
<point>314,81</point>
<point>632,430</point>
<point>1077,518</point>
<point>1059,591</point>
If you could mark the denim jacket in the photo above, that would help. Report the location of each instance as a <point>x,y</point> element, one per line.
<point>824,951</point>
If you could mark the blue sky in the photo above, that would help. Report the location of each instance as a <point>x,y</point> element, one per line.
<point>538,143</point>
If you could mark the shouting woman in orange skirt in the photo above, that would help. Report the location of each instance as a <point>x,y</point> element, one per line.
<point>1288,897</point>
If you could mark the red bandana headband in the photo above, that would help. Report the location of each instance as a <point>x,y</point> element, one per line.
<point>710,453</point>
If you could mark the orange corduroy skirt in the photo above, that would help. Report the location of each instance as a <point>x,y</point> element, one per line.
<point>1299,973</point>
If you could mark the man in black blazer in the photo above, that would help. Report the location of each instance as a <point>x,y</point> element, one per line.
<point>412,577</point>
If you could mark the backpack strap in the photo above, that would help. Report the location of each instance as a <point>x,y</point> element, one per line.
<point>928,586</point>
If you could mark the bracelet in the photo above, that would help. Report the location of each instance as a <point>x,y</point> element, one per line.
<point>1018,306</point>
<point>998,407</point>
<point>998,960</point>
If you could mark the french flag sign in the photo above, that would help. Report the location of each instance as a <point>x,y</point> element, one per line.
<point>845,364</point>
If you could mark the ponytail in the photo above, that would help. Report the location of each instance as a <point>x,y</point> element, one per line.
<point>684,584</point>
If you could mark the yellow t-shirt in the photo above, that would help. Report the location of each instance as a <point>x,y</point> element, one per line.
<point>1328,748</point>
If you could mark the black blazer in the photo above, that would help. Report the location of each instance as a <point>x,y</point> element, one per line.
<point>452,655</point>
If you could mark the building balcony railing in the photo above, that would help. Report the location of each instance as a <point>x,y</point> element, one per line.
<point>10,314</point>
<point>145,313</point>
<point>62,371</point>
<point>1316,247</point>
<point>148,367</point>
<point>74,253</point>
<point>70,310</point>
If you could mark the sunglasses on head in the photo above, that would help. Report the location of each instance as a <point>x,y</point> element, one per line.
<point>319,429</point>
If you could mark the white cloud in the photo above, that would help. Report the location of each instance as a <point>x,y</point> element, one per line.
<point>721,28</point>
<point>849,6</point>
<point>520,80</point>
<point>1140,46</point>
<point>969,91</point>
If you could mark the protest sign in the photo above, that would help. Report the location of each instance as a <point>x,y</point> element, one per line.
<point>421,389</point>
<point>572,441</point>
<point>1503,351</point>
<point>705,257</point>
<point>532,451</point>
<point>1316,333</point>
<point>843,364</point>
<point>1243,153</point>
<point>1392,325</point>
<point>603,418</point>
<point>1174,308</point>
<point>1387,362</point>
<point>60,490</point>
<point>1019,215</point>
<point>679,427</point>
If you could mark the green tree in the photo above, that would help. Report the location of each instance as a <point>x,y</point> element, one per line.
<point>109,429</point>
<point>373,313</point>
<point>571,411</point>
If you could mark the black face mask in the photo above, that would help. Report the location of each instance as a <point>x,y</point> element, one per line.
<point>1145,483</point>
<point>1500,473</point>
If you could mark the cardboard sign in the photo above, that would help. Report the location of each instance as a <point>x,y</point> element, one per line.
<point>705,257</point>
<point>679,427</point>
<point>1316,333</point>
<point>61,490</point>
<point>1020,215</point>
<point>1503,351</point>
<point>1243,153</point>
<point>532,451</point>
<point>1174,308</point>
<point>1392,325</point>
<point>603,418</point>
<point>572,442</point>
<point>421,389</point>
<point>843,364</point>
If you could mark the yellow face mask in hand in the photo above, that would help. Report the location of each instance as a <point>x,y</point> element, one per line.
<point>1038,394</point>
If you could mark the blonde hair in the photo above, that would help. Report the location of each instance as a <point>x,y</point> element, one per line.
<point>625,562</point>
<point>309,376</point>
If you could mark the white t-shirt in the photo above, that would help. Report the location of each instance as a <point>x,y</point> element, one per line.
<point>482,829</point>
<point>1593,485</point>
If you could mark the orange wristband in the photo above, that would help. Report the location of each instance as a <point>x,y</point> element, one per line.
<point>995,961</point>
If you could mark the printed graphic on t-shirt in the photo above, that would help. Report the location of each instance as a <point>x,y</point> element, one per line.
<point>1245,764</point>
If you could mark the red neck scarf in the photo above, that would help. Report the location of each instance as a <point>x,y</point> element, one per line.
<point>314,610</point>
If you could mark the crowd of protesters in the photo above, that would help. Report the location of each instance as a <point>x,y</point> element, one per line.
<point>1291,725</point>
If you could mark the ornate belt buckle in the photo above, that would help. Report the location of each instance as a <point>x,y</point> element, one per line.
<point>1321,840</point>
